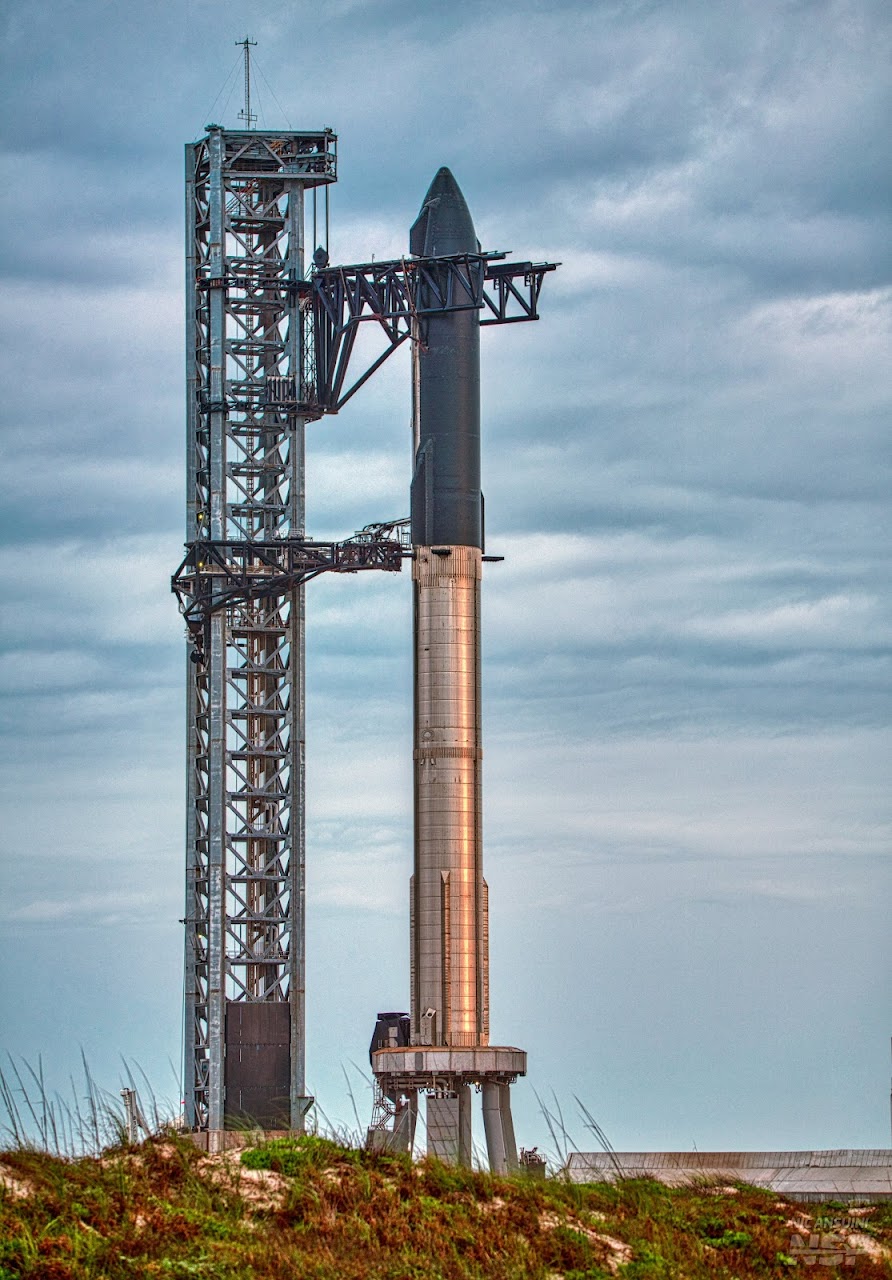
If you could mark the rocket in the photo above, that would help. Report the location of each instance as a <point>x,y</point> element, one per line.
<point>449,927</point>
<point>441,1049</point>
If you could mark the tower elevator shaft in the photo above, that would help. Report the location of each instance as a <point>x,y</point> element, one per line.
<point>249,364</point>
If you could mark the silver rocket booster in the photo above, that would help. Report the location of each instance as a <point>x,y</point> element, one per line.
<point>442,1047</point>
<point>449,910</point>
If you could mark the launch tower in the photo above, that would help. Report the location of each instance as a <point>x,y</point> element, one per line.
<point>245,806</point>
<point>268,349</point>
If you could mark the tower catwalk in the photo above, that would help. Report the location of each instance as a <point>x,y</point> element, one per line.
<point>248,362</point>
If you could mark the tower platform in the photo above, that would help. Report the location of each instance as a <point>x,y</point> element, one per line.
<point>427,1066</point>
<point>445,1075</point>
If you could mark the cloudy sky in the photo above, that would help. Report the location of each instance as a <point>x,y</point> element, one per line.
<point>686,467</point>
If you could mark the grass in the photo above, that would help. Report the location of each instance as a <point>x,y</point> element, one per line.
<point>85,1122</point>
<point>316,1209</point>
<point>77,1201</point>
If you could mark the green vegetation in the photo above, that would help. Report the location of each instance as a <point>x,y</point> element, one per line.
<point>311,1208</point>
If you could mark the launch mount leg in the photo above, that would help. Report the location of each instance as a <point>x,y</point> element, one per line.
<point>501,1146</point>
<point>449,1126</point>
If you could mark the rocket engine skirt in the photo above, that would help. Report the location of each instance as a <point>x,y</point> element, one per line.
<point>450,942</point>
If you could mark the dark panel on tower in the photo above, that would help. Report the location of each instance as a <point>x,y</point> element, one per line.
<point>258,1064</point>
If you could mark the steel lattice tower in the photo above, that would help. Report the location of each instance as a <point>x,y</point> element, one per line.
<point>249,364</point>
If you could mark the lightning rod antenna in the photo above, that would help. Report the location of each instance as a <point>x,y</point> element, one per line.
<point>246,114</point>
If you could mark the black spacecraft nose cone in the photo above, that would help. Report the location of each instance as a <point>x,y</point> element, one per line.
<point>447,508</point>
<point>444,224</point>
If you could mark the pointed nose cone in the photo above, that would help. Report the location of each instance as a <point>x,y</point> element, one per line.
<point>444,224</point>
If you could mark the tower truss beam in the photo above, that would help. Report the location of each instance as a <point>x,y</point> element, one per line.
<point>401,296</point>
<point>218,575</point>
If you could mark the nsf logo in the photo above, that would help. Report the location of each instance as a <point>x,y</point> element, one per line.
<point>825,1246</point>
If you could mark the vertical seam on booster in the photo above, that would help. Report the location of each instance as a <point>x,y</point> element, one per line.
<point>413,984</point>
<point>446,957</point>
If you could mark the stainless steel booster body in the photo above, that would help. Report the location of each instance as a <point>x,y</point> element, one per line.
<point>449,910</point>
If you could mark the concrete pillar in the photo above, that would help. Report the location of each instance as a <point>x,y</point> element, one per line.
<point>508,1127</point>
<point>499,1127</point>
<point>449,1126</point>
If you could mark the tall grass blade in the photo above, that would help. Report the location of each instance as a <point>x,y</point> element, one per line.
<point>603,1141</point>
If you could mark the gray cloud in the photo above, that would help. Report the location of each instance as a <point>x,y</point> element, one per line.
<point>686,466</point>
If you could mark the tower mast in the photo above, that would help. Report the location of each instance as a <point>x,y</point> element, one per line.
<point>246,114</point>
